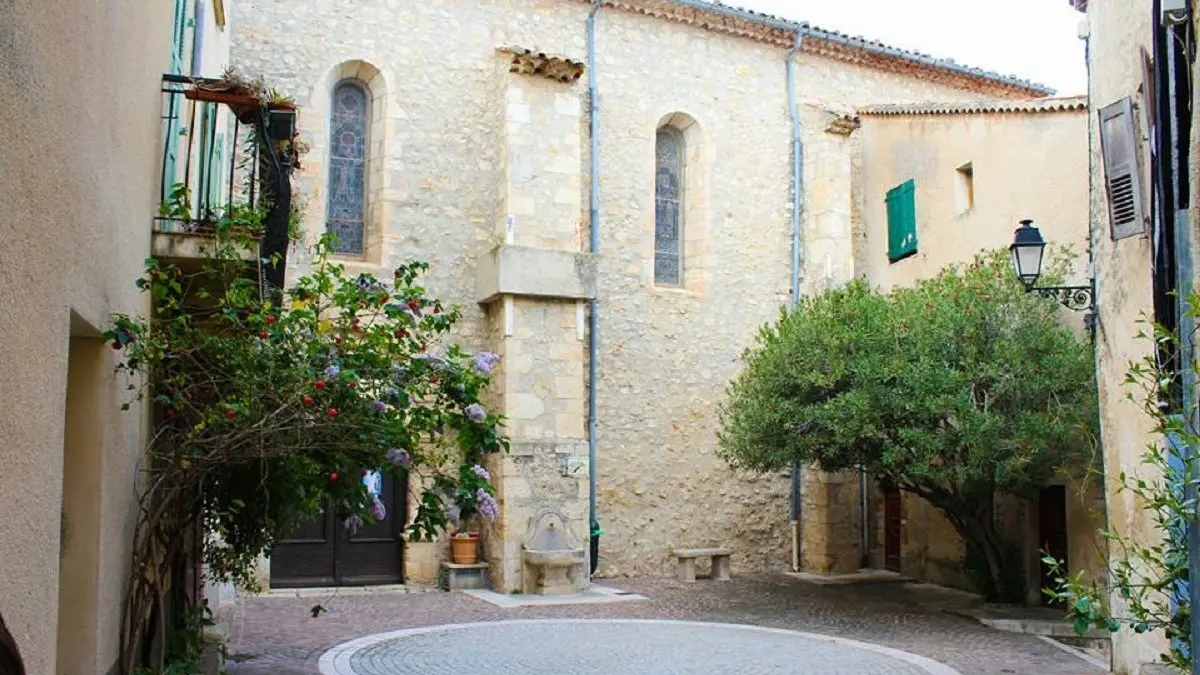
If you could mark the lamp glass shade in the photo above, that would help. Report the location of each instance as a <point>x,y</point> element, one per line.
<point>1027,250</point>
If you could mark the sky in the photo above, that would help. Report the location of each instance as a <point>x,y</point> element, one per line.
<point>1033,39</point>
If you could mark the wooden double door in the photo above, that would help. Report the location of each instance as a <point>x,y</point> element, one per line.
<point>325,553</point>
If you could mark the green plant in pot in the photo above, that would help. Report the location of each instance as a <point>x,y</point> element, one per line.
<point>471,499</point>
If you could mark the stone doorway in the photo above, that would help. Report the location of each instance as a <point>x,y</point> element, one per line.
<point>324,553</point>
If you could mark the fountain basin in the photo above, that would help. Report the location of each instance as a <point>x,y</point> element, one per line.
<point>552,570</point>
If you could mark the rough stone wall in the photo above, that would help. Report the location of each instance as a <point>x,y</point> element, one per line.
<point>665,353</point>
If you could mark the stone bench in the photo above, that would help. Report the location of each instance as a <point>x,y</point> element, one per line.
<point>685,566</point>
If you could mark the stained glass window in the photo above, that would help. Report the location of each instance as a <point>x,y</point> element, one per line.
<point>668,207</point>
<point>347,161</point>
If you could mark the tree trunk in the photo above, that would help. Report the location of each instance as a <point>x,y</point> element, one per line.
<point>987,560</point>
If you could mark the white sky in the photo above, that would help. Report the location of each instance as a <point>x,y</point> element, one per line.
<point>1033,39</point>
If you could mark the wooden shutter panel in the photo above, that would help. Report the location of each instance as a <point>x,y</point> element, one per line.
<point>1118,144</point>
<point>902,221</point>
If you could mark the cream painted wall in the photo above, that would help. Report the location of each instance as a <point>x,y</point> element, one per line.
<point>1025,165</point>
<point>80,82</point>
<point>1118,31</point>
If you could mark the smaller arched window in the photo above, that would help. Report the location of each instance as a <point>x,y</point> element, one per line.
<point>668,207</point>
<point>346,191</point>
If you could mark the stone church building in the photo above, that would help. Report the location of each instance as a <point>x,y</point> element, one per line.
<point>620,175</point>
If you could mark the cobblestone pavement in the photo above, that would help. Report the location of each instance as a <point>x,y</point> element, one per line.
<point>278,635</point>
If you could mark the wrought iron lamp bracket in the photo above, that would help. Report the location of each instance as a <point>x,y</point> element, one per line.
<point>1077,298</point>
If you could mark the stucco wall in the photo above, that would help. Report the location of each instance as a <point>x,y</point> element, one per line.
<point>666,353</point>
<point>1024,165</point>
<point>81,86</point>
<point>1117,32</point>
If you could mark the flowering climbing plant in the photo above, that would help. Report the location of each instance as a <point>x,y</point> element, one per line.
<point>269,410</point>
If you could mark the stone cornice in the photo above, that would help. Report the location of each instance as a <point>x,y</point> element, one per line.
<point>551,66</point>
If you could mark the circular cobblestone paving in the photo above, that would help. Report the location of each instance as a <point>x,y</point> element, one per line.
<point>624,647</point>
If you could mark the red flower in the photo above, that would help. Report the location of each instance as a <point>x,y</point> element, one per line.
<point>337,340</point>
<point>333,476</point>
<point>401,334</point>
<point>116,344</point>
<point>333,412</point>
<point>414,305</point>
<point>383,298</point>
<point>231,414</point>
<point>263,335</point>
<point>320,384</point>
<point>308,400</point>
<point>437,309</point>
<point>352,384</point>
<point>270,320</point>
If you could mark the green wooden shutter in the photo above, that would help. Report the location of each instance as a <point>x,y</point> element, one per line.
<point>174,104</point>
<point>902,221</point>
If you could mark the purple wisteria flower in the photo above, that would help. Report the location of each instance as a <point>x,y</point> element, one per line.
<point>332,371</point>
<point>488,508</point>
<point>399,457</point>
<point>481,472</point>
<point>476,413</point>
<point>354,523</point>
<point>378,406</point>
<point>485,362</point>
<point>378,510</point>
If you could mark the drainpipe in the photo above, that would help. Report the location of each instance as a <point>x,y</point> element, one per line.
<point>797,218</point>
<point>593,315</point>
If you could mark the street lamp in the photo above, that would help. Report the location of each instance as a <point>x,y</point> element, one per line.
<point>1028,249</point>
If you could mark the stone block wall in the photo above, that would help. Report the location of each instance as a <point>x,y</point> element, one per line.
<point>466,144</point>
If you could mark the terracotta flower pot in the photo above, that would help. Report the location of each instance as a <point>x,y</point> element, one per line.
<point>464,549</point>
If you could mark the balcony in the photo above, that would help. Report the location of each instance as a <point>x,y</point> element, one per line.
<point>227,156</point>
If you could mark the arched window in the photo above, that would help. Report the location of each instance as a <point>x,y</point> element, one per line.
<point>347,162</point>
<point>668,207</point>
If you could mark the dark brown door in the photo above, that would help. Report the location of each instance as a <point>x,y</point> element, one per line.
<point>324,553</point>
<point>1052,531</point>
<point>893,528</point>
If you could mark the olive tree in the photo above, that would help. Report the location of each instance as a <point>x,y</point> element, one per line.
<point>955,390</point>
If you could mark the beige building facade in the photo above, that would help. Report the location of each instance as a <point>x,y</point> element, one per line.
<point>977,169</point>
<point>1131,240</point>
<point>479,161</point>
<point>83,112</point>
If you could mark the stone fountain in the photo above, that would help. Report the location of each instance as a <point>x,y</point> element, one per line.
<point>551,564</point>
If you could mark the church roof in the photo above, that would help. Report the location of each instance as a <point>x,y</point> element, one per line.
<point>730,19</point>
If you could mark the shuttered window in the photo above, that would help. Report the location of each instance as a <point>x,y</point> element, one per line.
<point>902,221</point>
<point>1118,143</point>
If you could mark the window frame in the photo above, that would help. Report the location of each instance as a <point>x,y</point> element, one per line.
<point>365,90</point>
<point>680,140</point>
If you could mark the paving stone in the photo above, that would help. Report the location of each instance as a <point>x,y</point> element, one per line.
<point>277,635</point>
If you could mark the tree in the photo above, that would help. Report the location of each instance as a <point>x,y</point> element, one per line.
<point>268,407</point>
<point>954,390</point>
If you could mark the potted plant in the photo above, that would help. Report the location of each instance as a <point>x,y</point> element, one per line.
<point>473,498</point>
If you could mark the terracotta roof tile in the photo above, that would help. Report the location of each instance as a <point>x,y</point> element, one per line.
<point>1040,105</point>
<point>726,18</point>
